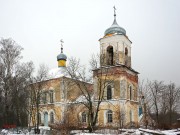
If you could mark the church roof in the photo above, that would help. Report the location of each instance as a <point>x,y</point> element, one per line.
<point>57,73</point>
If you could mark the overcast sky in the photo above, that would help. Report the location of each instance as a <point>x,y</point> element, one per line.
<point>153,26</point>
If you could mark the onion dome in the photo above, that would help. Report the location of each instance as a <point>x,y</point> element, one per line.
<point>61,58</point>
<point>115,28</point>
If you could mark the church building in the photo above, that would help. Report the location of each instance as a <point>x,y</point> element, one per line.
<point>119,92</point>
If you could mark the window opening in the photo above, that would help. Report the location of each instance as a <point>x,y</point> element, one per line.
<point>110,55</point>
<point>126,51</point>
<point>44,97</point>
<point>109,92</point>
<point>130,93</point>
<point>109,116</point>
<point>52,117</point>
<point>83,117</point>
<point>51,97</point>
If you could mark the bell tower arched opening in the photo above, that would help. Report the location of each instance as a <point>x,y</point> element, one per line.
<point>126,51</point>
<point>126,56</point>
<point>110,55</point>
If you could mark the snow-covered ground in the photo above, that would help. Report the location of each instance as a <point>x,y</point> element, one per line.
<point>43,131</point>
<point>140,131</point>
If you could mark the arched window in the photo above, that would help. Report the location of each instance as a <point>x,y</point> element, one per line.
<point>39,118</point>
<point>45,119</point>
<point>110,55</point>
<point>109,116</point>
<point>84,117</point>
<point>109,92</point>
<point>52,117</point>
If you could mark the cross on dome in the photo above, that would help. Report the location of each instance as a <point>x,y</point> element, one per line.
<point>61,45</point>
<point>114,11</point>
<point>115,28</point>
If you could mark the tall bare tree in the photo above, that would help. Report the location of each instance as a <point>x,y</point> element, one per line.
<point>162,102</point>
<point>20,80</point>
<point>79,74</point>
<point>14,75</point>
<point>172,98</point>
<point>36,94</point>
<point>156,89</point>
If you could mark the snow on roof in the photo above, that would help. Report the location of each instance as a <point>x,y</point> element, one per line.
<point>57,72</point>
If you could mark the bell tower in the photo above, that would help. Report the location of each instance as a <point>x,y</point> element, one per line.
<point>115,80</point>
<point>115,46</point>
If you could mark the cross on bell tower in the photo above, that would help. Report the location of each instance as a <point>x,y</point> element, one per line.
<point>114,11</point>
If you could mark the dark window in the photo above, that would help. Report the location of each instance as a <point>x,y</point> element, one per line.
<point>109,92</point>
<point>109,116</point>
<point>51,97</point>
<point>52,117</point>
<point>130,93</point>
<point>110,55</point>
<point>126,56</point>
<point>45,98</point>
<point>126,51</point>
<point>83,117</point>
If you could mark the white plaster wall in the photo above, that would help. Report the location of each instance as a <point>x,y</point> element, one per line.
<point>119,42</point>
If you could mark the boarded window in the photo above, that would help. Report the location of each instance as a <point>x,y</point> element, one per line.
<point>122,88</point>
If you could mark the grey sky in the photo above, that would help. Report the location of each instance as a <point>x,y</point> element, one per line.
<point>152,25</point>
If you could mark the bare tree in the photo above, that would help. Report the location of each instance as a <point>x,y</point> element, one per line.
<point>144,99</point>
<point>120,115</point>
<point>36,94</point>
<point>20,80</point>
<point>9,56</point>
<point>172,99</point>
<point>155,91</point>
<point>81,79</point>
<point>161,101</point>
<point>14,76</point>
<point>70,122</point>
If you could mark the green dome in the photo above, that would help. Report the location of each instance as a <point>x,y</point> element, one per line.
<point>115,29</point>
<point>61,56</point>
